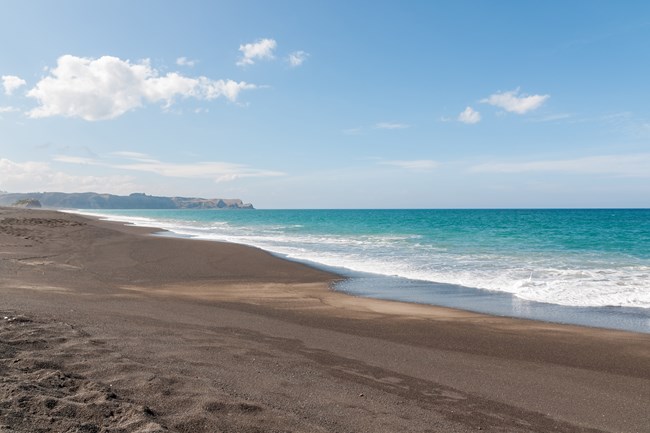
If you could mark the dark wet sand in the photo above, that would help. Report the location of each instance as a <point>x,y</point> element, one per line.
<point>106,328</point>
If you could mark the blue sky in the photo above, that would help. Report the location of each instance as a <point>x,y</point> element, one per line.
<point>298,104</point>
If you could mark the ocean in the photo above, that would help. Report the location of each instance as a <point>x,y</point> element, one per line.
<point>584,266</point>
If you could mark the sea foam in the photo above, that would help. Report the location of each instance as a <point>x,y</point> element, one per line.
<point>568,267</point>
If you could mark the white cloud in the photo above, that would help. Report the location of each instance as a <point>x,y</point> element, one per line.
<point>11,83</point>
<point>132,155</point>
<point>512,102</point>
<point>418,164</point>
<point>8,109</point>
<point>229,88</point>
<point>391,125</point>
<point>108,87</point>
<point>469,116</point>
<point>636,165</point>
<point>184,61</point>
<point>32,176</point>
<point>262,49</point>
<point>77,160</point>
<point>217,171</point>
<point>297,58</point>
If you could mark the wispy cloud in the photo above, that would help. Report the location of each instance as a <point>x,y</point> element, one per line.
<point>512,102</point>
<point>11,83</point>
<point>553,117</point>
<point>353,131</point>
<point>184,61</point>
<point>416,165</point>
<point>217,171</point>
<point>77,160</point>
<point>391,125</point>
<point>469,116</point>
<point>627,123</point>
<point>297,58</point>
<point>635,165</point>
<point>8,109</point>
<point>132,155</point>
<point>214,170</point>
<point>261,49</point>
<point>645,129</point>
<point>361,130</point>
<point>108,87</point>
<point>32,176</point>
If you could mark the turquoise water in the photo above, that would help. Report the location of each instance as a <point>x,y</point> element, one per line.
<point>574,262</point>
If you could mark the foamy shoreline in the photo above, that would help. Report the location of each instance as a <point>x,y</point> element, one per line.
<point>377,286</point>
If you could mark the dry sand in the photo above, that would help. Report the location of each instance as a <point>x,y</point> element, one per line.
<point>105,328</point>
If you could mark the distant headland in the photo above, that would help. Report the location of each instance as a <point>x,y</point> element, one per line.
<point>92,200</point>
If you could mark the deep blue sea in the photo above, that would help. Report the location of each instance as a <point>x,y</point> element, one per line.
<point>588,267</point>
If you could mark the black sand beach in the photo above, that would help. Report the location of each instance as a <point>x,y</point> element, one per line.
<point>105,328</point>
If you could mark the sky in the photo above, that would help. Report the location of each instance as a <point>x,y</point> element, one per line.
<point>337,104</point>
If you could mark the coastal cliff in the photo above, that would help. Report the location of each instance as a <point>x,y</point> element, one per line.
<point>27,203</point>
<point>91,200</point>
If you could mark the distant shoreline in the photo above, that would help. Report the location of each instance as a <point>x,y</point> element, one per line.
<point>92,200</point>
